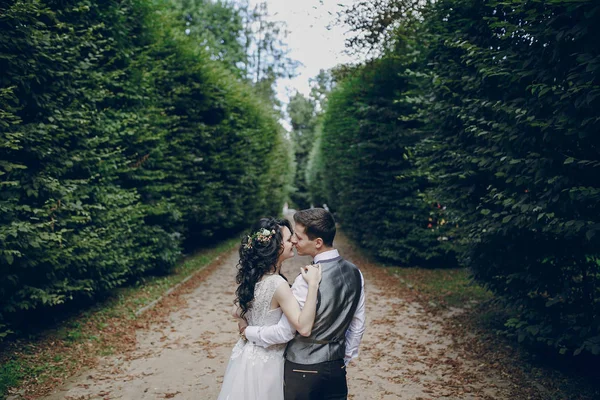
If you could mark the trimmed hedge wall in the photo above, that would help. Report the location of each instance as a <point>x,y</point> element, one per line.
<point>364,168</point>
<point>120,143</point>
<point>505,97</point>
<point>516,115</point>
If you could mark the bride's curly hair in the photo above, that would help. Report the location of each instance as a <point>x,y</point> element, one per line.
<point>258,257</point>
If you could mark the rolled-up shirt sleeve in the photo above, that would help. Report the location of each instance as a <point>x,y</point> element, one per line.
<point>356,329</point>
<point>300,290</point>
<point>283,331</point>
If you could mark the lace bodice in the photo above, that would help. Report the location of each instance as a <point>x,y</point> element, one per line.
<point>260,314</point>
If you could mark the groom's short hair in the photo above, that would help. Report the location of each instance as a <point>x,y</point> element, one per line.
<point>318,223</point>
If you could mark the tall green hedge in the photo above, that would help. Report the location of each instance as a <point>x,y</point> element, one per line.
<point>314,174</point>
<point>517,116</point>
<point>120,143</point>
<point>223,145</point>
<point>500,111</point>
<point>364,166</point>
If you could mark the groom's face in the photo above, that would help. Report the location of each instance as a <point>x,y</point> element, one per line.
<point>304,246</point>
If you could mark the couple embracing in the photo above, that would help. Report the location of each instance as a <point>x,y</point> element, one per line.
<point>295,342</point>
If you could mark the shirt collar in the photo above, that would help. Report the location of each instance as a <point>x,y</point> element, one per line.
<point>326,255</point>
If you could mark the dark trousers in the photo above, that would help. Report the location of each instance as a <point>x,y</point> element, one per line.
<point>321,381</point>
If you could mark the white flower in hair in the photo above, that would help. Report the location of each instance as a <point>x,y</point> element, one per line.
<point>263,236</point>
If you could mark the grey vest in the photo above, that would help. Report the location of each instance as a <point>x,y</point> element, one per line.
<point>337,300</point>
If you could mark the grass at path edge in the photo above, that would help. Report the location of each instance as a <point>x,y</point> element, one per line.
<point>448,287</point>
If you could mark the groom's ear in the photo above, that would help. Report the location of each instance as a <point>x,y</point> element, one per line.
<point>318,243</point>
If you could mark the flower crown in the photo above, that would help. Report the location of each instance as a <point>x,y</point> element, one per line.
<point>262,236</point>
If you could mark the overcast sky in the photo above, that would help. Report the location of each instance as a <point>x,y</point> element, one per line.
<point>309,40</point>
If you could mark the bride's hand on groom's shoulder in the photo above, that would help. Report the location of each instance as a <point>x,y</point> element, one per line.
<point>311,273</point>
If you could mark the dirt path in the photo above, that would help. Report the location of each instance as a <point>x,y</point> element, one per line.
<point>404,354</point>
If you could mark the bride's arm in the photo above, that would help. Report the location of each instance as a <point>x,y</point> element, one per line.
<point>301,319</point>
<point>266,336</point>
<point>283,331</point>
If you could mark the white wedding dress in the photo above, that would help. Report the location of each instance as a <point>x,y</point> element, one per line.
<point>253,372</point>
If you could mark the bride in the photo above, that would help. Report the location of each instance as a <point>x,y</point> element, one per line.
<point>254,372</point>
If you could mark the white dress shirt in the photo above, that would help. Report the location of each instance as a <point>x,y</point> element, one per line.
<point>283,332</point>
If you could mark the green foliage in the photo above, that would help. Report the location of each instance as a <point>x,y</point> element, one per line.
<point>220,141</point>
<point>306,115</point>
<point>120,142</point>
<point>449,287</point>
<point>249,41</point>
<point>219,28</point>
<point>303,117</point>
<point>516,119</point>
<point>10,375</point>
<point>364,166</point>
<point>66,225</point>
<point>505,95</point>
<point>315,168</point>
<point>373,24</point>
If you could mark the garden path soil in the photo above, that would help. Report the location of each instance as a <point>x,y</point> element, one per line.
<point>405,353</point>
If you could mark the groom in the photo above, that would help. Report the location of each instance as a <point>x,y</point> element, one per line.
<point>315,366</point>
